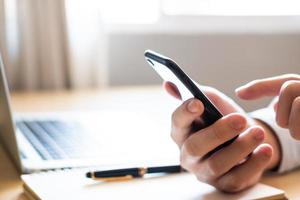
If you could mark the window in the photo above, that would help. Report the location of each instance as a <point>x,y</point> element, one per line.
<point>150,11</point>
<point>231,7</point>
<point>130,11</point>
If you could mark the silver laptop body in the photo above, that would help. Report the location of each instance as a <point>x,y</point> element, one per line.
<point>45,141</point>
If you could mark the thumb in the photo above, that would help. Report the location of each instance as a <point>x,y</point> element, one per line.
<point>264,87</point>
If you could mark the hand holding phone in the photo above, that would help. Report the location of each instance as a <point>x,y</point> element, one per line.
<point>171,72</point>
<point>213,153</point>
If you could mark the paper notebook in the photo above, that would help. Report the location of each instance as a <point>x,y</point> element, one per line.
<point>73,185</point>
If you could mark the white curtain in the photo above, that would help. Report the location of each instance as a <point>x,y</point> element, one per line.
<point>53,44</point>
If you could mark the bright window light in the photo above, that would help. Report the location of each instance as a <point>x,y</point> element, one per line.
<point>11,27</point>
<point>231,7</point>
<point>130,11</point>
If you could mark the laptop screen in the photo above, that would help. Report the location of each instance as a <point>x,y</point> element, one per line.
<point>7,132</point>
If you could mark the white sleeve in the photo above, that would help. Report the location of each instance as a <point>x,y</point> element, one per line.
<point>290,148</point>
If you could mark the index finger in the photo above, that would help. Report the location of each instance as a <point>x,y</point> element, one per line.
<point>264,87</point>
<point>172,89</point>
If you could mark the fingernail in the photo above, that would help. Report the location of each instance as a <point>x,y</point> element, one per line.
<point>193,106</point>
<point>267,152</point>
<point>259,134</point>
<point>237,123</point>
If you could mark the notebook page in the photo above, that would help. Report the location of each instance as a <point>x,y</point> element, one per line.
<point>72,184</point>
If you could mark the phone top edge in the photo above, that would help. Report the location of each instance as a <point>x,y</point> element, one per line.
<point>150,53</point>
<point>171,64</point>
<point>157,57</point>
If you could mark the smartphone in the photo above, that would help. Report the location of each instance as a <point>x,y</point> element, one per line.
<point>171,72</point>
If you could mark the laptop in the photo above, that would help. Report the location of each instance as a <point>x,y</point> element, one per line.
<point>45,141</point>
<point>37,142</point>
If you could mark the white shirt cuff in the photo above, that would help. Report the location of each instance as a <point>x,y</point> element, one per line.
<point>290,148</point>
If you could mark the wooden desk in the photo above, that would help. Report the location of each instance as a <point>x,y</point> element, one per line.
<point>10,183</point>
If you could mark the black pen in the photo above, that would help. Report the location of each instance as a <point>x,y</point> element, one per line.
<point>129,173</point>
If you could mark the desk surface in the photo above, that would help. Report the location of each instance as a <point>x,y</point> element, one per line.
<point>10,183</point>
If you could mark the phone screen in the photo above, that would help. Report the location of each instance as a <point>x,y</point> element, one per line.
<point>167,75</point>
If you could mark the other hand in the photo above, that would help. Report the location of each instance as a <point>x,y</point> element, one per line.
<point>286,89</point>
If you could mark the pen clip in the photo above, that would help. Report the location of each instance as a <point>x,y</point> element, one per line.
<point>111,179</point>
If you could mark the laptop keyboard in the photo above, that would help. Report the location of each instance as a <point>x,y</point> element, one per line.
<point>55,140</point>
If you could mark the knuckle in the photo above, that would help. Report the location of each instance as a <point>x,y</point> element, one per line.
<point>296,102</point>
<point>201,178</point>
<point>191,147</point>
<point>174,119</point>
<point>289,87</point>
<point>251,139</point>
<point>228,127</point>
<point>217,131</point>
<point>188,163</point>
<point>294,121</point>
<point>213,168</point>
<point>233,185</point>
<point>173,136</point>
<point>183,161</point>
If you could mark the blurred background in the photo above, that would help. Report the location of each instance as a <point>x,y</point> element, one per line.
<point>76,44</point>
